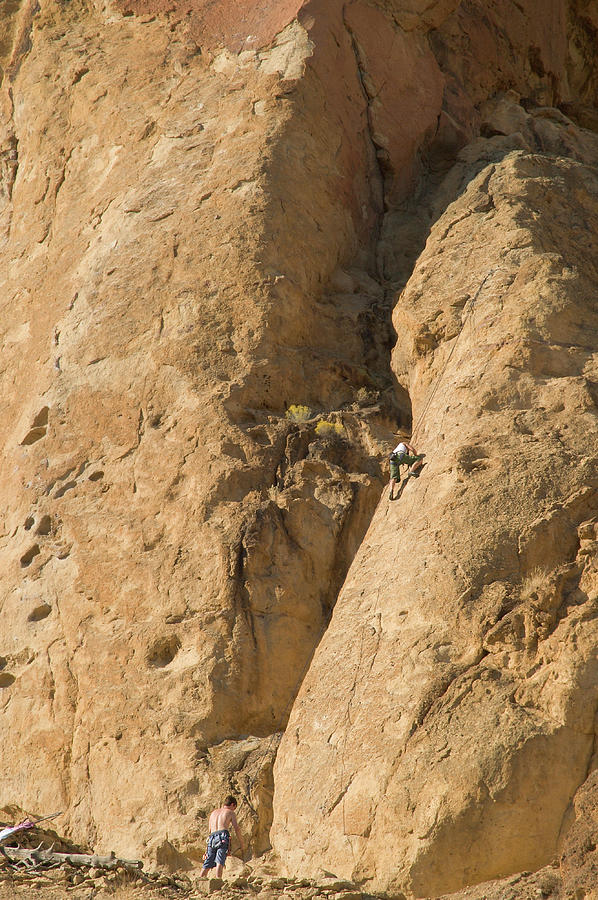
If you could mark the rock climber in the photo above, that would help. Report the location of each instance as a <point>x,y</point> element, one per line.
<point>218,844</point>
<point>404,455</point>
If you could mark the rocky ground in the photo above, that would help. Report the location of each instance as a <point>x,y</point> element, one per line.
<point>121,885</point>
<point>573,877</point>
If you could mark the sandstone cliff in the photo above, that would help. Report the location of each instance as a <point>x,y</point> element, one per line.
<point>206,213</point>
<point>172,543</point>
<point>474,659</point>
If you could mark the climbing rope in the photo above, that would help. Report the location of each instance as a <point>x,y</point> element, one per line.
<point>285,715</point>
<point>375,610</point>
<point>469,316</point>
<point>469,313</point>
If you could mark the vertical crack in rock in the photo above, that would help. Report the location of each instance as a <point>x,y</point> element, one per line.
<point>369,97</point>
<point>241,593</point>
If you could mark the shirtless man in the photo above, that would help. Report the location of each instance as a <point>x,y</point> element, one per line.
<point>219,838</point>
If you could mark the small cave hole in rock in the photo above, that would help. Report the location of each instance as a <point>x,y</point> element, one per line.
<point>3,662</point>
<point>41,419</point>
<point>39,612</point>
<point>32,436</point>
<point>38,429</point>
<point>27,558</point>
<point>45,526</point>
<point>163,651</point>
<point>65,487</point>
<point>29,523</point>
<point>96,476</point>
<point>6,679</point>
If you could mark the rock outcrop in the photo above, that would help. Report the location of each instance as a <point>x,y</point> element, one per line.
<point>462,651</point>
<point>172,543</point>
<point>206,211</point>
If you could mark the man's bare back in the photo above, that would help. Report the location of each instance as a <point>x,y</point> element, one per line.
<point>222,818</point>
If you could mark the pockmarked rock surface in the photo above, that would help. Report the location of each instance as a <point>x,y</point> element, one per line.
<point>171,541</point>
<point>206,210</point>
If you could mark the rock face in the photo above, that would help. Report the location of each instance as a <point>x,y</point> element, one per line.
<point>473,662</point>
<point>172,543</point>
<point>206,211</point>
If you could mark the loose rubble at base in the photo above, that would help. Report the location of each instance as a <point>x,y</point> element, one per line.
<point>124,883</point>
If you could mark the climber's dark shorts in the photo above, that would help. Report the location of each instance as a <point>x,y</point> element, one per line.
<point>216,849</point>
<point>403,461</point>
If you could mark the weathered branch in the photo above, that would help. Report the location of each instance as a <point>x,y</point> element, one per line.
<point>37,856</point>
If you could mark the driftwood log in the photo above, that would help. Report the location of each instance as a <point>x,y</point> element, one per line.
<point>37,857</point>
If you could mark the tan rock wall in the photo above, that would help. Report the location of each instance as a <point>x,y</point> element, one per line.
<point>171,543</point>
<point>452,706</point>
<point>204,212</point>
